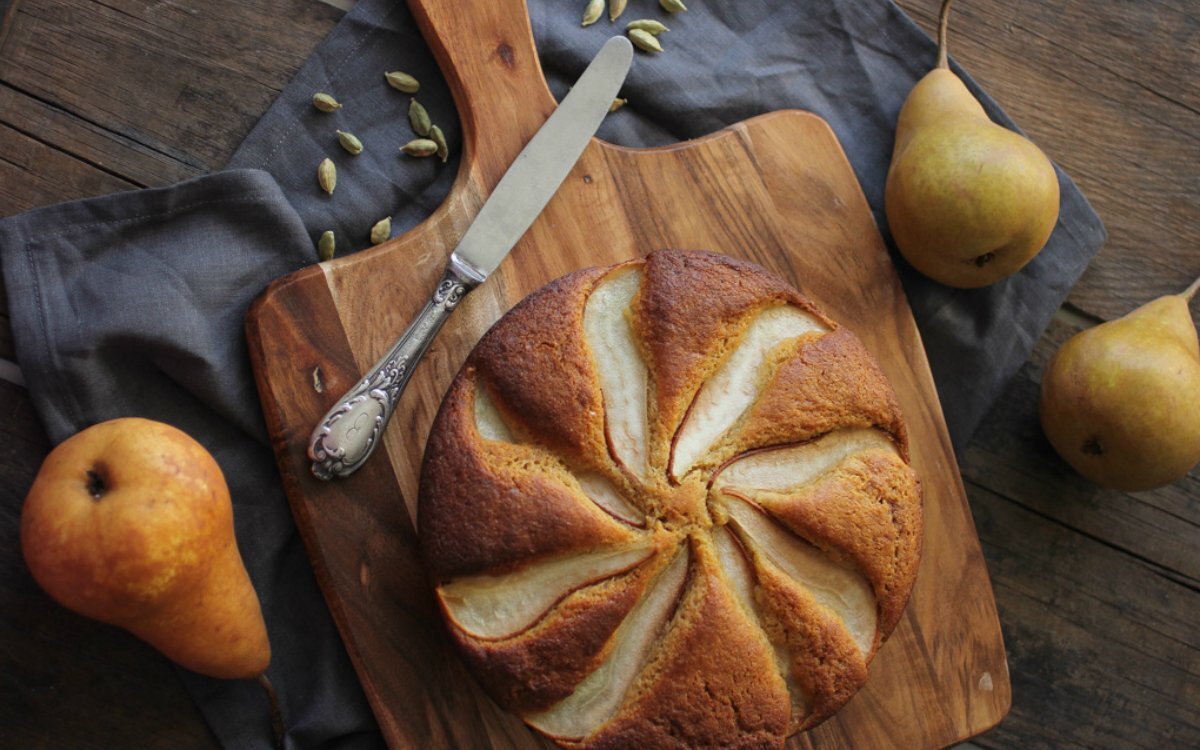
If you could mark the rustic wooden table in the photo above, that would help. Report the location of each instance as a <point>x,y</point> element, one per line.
<point>1098,591</point>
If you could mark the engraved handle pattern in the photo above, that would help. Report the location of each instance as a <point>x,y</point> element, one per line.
<point>353,428</point>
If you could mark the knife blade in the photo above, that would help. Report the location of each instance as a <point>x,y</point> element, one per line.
<point>351,430</point>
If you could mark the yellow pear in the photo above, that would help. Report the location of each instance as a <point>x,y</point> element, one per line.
<point>968,202</point>
<point>1121,401</point>
<point>129,522</point>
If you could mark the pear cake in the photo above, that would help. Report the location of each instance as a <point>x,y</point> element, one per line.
<point>668,504</point>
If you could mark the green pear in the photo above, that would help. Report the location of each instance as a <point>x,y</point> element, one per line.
<point>968,201</point>
<point>1121,401</point>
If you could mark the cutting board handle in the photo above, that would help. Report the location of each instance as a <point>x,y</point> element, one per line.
<point>486,52</point>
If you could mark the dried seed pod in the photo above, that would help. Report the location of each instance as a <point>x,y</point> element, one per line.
<point>402,81</point>
<point>592,12</point>
<point>350,142</point>
<point>419,118</point>
<point>420,147</point>
<point>647,24</point>
<point>437,136</point>
<point>617,104</point>
<point>644,40</point>
<point>326,245</point>
<point>381,231</point>
<point>325,102</point>
<point>672,6</point>
<point>615,9</point>
<point>327,175</point>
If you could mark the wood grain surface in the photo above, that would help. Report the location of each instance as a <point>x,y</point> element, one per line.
<point>1098,591</point>
<point>776,190</point>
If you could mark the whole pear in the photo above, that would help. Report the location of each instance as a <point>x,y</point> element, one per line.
<point>1120,402</point>
<point>129,522</point>
<point>968,202</point>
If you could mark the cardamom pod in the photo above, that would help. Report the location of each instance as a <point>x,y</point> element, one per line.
<point>419,118</point>
<point>349,142</point>
<point>325,102</point>
<point>420,147</point>
<point>647,24</point>
<point>615,9</point>
<point>327,176</point>
<point>437,136</point>
<point>591,13</point>
<point>381,231</point>
<point>617,104</point>
<point>672,6</point>
<point>644,40</point>
<point>325,245</point>
<point>402,81</point>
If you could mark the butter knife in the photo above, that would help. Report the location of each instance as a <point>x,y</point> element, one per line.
<point>353,428</point>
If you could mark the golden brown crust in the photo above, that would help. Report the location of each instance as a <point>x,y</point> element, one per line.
<point>713,675</point>
<point>867,513</point>
<point>497,505</point>
<point>542,665</point>
<point>821,383</point>
<point>541,371</point>
<point>826,664</point>
<point>714,684</point>
<point>693,308</point>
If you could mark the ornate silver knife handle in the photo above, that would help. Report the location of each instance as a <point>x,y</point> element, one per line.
<point>353,428</point>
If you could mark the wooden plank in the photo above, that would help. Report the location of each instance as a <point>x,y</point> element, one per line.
<point>1102,645</point>
<point>1108,90</point>
<point>1097,589</point>
<point>747,191</point>
<point>197,118</point>
<point>69,681</point>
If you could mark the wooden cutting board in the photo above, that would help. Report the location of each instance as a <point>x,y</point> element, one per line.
<point>777,190</point>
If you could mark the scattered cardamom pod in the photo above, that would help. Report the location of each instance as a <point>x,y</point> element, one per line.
<point>647,24</point>
<point>617,104</point>
<point>327,176</point>
<point>591,13</point>
<point>437,136</point>
<point>349,142</point>
<point>644,40</point>
<point>420,147</point>
<point>672,6</point>
<point>381,231</point>
<point>419,118</point>
<point>402,81</point>
<point>615,9</point>
<point>326,245</point>
<point>325,102</point>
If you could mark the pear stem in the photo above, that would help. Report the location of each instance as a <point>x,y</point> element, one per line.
<point>943,24</point>
<point>276,714</point>
<point>1190,292</point>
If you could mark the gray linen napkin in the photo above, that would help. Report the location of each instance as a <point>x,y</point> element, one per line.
<point>132,304</point>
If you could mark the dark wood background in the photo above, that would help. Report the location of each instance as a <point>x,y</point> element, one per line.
<point>1098,591</point>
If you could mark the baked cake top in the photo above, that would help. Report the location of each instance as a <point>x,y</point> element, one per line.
<point>668,503</point>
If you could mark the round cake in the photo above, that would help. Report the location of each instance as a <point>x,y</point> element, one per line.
<point>668,504</point>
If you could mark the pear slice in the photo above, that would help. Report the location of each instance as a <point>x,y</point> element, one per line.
<point>501,606</point>
<point>735,385</point>
<point>738,573</point>
<point>488,422</point>
<point>601,491</point>
<point>785,469</point>
<point>619,366</point>
<point>736,567</point>
<point>601,693</point>
<point>843,591</point>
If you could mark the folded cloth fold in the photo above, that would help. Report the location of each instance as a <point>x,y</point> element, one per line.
<point>132,304</point>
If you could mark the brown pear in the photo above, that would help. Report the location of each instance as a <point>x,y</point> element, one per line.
<point>1121,401</point>
<point>968,202</point>
<point>130,522</point>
